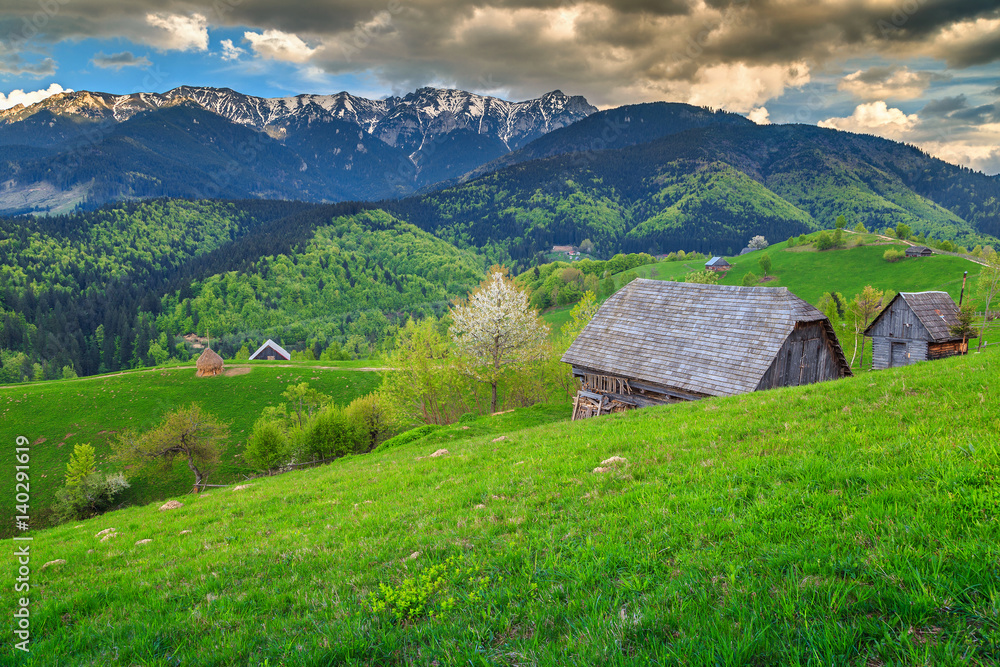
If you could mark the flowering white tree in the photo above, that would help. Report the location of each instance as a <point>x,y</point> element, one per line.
<point>757,243</point>
<point>497,329</point>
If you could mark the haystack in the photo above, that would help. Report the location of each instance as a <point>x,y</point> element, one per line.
<point>209,364</point>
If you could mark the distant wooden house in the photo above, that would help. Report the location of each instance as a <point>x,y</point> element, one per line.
<point>271,351</point>
<point>918,251</point>
<point>718,264</point>
<point>657,342</point>
<point>564,248</point>
<point>915,326</point>
<point>746,250</point>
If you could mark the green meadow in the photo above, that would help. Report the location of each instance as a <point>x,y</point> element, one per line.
<point>57,415</point>
<point>846,523</point>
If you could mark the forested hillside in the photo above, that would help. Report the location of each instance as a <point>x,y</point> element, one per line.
<point>710,189</point>
<point>85,293</point>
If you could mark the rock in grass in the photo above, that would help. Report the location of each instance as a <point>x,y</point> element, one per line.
<point>440,452</point>
<point>241,487</point>
<point>185,532</point>
<point>104,532</point>
<point>171,505</point>
<point>58,561</point>
<point>614,461</point>
<point>145,541</point>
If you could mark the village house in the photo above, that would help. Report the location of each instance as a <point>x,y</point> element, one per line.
<point>915,326</point>
<point>657,342</point>
<point>718,264</point>
<point>271,351</point>
<point>918,251</point>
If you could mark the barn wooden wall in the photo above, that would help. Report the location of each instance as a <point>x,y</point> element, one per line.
<point>806,356</point>
<point>899,324</point>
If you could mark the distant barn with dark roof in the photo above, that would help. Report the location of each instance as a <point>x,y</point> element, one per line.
<point>718,264</point>
<point>918,251</point>
<point>657,342</point>
<point>271,351</point>
<point>915,326</point>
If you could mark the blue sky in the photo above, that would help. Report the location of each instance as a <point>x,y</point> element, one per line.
<point>921,71</point>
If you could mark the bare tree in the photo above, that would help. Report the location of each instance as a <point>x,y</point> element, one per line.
<point>497,329</point>
<point>187,432</point>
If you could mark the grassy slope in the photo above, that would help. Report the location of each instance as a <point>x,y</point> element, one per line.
<point>852,522</point>
<point>809,273</point>
<point>90,410</point>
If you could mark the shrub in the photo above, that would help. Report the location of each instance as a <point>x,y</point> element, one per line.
<point>268,447</point>
<point>94,495</point>
<point>750,279</point>
<point>893,255</point>
<point>791,241</point>
<point>330,434</point>
<point>372,420</point>
<point>824,241</point>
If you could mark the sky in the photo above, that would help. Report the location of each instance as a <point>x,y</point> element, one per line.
<point>926,72</point>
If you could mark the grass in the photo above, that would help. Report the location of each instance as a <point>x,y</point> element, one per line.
<point>851,523</point>
<point>57,415</point>
<point>809,273</point>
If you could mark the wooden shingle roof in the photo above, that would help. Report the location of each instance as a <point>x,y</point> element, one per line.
<point>717,261</point>
<point>716,340</point>
<point>935,310</point>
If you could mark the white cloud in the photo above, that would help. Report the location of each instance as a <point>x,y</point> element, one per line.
<point>882,83</point>
<point>230,51</point>
<point>982,153</point>
<point>760,115</point>
<point>179,33</point>
<point>740,87</point>
<point>15,97</point>
<point>278,45</point>
<point>875,118</point>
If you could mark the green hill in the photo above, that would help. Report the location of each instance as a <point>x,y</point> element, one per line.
<point>56,416</point>
<point>851,523</point>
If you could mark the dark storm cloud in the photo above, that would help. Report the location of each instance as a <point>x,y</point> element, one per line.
<point>119,60</point>
<point>945,106</point>
<point>981,115</point>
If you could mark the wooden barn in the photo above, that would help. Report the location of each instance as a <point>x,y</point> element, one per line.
<point>915,326</point>
<point>918,251</point>
<point>657,342</point>
<point>271,351</point>
<point>718,264</point>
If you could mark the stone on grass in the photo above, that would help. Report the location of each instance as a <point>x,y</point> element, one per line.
<point>145,541</point>
<point>105,532</point>
<point>171,505</point>
<point>58,561</point>
<point>501,438</point>
<point>241,487</point>
<point>614,461</point>
<point>185,532</point>
<point>440,452</point>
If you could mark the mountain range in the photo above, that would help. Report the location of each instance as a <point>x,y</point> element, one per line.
<point>508,178</point>
<point>85,147</point>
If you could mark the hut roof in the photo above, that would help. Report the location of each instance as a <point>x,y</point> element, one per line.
<point>918,250</point>
<point>717,261</point>
<point>935,310</point>
<point>273,345</point>
<point>716,340</point>
<point>209,360</point>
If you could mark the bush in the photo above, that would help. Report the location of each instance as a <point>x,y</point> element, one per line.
<point>330,434</point>
<point>410,436</point>
<point>824,241</point>
<point>93,495</point>
<point>372,420</point>
<point>750,279</point>
<point>791,242</point>
<point>893,255</point>
<point>268,447</point>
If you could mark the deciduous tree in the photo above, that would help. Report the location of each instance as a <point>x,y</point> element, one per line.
<point>189,432</point>
<point>863,310</point>
<point>496,329</point>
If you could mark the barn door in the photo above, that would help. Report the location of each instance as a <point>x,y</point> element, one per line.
<point>898,355</point>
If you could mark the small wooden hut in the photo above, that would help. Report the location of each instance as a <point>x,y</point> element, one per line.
<point>271,351</point>
<point>209,364</point>
<point>918,251</point>
<point>657,342</point>
<point>718,264</point>
<point>915,326</point>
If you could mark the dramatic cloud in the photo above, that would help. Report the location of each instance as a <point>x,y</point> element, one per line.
<point>179,33</point>
<point>875,118</point>
<point>760,115</point>
<point>945,106</point>
<point>892,82</point>
<point>230,51</point>
<point>12,63</point>
<point>739,87</point>
<point>119,60</point>
<point>277,45</point>
<point>966,43</point>
<point>15,97</point>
